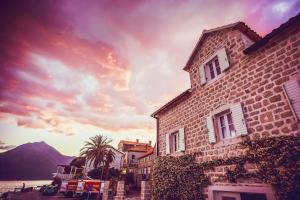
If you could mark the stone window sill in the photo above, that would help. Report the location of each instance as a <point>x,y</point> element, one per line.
<point>229,141</point>
<point>215,79</point>
<point>177,153</point>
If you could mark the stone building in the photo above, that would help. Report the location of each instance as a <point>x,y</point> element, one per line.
<point>133,150</point>
<point>145,165</point>
<point>124,145</point>
<point>241,85</point>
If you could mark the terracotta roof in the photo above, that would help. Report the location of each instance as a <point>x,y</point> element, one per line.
<point>131,142</point>
<point>117,150</point>
<point>172,102</point>
<point>139,149</point>
<point>238,25</point>
<point>291,22</point>
<point>149,152</point>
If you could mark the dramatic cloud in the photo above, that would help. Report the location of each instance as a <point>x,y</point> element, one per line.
<point>107,64</point>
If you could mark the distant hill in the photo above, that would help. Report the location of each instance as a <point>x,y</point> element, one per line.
<point>31,161</point>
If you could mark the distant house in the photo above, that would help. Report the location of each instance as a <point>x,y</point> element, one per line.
<point>133,150</point>
<point>124,145</point>
<point>241,84</point>
<point>145,165</point>
<point>67,172</point>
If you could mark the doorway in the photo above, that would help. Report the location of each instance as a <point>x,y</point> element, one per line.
<point>239,196</point>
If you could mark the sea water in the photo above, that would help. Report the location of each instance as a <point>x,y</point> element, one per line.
<point>11,185</point>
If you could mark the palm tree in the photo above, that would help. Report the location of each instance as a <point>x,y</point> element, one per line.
<point>95,150</point>
<point>109,158</point>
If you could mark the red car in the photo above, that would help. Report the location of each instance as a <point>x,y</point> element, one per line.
<point>71,188</point>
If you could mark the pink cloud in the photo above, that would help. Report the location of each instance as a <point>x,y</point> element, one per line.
<point>108,64</point>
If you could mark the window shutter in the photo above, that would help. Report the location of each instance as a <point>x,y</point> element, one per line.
<point>181,140</point>
<point>167,144</point>
<point>292,89</point>
<point>223,59</point>
<point>202,74</point>
<point>238,119</point>
<point>211,130</point>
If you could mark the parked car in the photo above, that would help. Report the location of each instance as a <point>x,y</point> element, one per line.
<point>71,188</point>
<point>50,190</point>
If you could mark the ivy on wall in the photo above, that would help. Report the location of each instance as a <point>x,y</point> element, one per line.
<point>178,178</point>
<point>277,162</point>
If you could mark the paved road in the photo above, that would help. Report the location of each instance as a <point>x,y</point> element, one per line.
<point>35,195</point>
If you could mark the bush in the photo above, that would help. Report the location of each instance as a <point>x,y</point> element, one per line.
<point>277,160</point>
<point>178,178</point>
<point>96,173</point>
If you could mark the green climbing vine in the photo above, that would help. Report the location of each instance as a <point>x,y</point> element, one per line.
<point>178,178</point>
<point>277,162</point>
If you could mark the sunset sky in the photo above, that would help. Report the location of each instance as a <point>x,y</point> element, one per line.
<point>72,69</point>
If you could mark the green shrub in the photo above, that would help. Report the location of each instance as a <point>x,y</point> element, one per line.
<point>277,160</point>
<point>178,178</point>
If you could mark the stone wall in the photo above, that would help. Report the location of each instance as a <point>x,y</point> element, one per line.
<point>120,191</point>
<point>145,190</point>
<point>255,80</point>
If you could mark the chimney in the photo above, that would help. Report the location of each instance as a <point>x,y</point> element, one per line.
<point>150,142</point>
<point>137,140</point>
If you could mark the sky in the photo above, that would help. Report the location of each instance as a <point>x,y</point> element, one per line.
<point>70,70</point>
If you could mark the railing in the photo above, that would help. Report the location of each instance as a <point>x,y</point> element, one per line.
<point>64,176</point>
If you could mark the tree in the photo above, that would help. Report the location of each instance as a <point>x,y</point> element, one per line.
<point>95,150</point>
<point>109,158</point>
<point>78,162</point>
<point>112,173</point>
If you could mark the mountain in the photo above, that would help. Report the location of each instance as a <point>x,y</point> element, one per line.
<point>31,161</point>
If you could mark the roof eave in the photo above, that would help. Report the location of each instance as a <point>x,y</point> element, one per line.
<point>240,25</point>
<point>292,21</point>
<point>188,91</point>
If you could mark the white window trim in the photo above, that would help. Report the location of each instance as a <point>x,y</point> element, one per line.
<point>295,77</point>
<point>203,70</point>
<point>250,188</point>
<point>207,69</point>
<point>215,79</point>
<point>178,152</point>
<point>225,112</point>
<point>219,140</point>
<point>174,134</point>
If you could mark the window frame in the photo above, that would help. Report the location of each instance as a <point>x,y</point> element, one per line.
<point>173,142</point>
<point>249,188</point>
<point>296,78</point>
<point>211,67</point>
<point>239,125</point>
<point>227,125</point>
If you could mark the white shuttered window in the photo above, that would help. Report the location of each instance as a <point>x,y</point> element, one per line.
<point>202,74</point>
<point>167,144</point>
<point>292,89</point>
<point>226,123</point>
<point>175,141</point>
<point>223,59</point>
<point>211,130</point>
<point>181,140</point>
<point>238,119</point>
<point>214,66</point>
